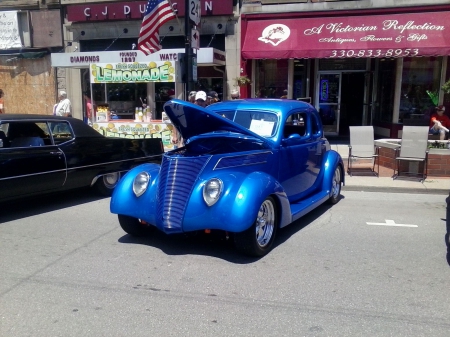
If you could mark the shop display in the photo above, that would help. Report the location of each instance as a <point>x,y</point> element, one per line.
<point>103,113</point>
<point>137,130</point>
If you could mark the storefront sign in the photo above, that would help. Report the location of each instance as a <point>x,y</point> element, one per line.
<point>134,130</point>
<point>136,9</point>
<point>205,56</point>
<point>9,30</point>
<point>134,72</point>
<point>399,35</point>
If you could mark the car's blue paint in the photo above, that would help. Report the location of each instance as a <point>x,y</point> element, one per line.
<point>297,171</point>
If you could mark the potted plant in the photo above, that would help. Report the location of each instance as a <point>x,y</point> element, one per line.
<point>446,87</point>
<point>242,81</point>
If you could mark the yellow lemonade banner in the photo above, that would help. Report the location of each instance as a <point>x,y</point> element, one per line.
<point>137,130</point>
<point>136,72</point>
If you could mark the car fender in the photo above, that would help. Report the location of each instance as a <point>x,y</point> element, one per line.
<point>238,206</point>
<point>331,161</point>
<point>125,202</point>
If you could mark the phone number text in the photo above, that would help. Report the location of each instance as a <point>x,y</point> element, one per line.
<point>374,53</point>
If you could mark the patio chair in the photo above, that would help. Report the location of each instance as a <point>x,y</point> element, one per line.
<point>414,150</point>
<point>362,146</point>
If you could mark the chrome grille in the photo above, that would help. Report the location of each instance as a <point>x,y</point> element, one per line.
<point>177,178</point>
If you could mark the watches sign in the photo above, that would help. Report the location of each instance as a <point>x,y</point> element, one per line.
<point>136,72</point>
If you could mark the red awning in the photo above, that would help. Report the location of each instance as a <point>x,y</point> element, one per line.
<point>390,35</point>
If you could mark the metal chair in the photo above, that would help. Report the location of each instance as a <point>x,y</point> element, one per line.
<point>362,146</point>
<point>414,150</point>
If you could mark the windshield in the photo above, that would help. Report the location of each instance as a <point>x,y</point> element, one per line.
<point>262,123</point>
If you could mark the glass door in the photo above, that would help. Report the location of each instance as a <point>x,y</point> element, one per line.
<point>328,100</point>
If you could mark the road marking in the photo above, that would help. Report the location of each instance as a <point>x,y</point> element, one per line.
<point>389,223</point>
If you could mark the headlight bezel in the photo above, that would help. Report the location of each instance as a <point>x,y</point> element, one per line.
<point>208,192</point>
<point>139,187</point>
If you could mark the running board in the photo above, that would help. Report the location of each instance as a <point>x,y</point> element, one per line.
<point>305,206</point>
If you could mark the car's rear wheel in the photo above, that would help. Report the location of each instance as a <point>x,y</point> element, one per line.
<point>258,239</point>
<point>335,186</point>
<point>105,184</point>
<point>134,226</point>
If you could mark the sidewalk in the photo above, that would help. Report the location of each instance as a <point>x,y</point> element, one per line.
<point>385,183</point>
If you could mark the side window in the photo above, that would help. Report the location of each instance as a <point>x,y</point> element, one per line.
<point>25,134</point>
<point>296,124</point>
<point>61,132</point>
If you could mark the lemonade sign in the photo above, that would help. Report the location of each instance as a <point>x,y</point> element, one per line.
<point>135,72</point>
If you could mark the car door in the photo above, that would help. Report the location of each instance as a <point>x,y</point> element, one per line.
<point>300,155</point>
<point>29,169</point>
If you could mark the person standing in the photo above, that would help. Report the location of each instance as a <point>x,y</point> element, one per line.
<point>1,102</point>
<point>89,107</point>
<point>64,107</point>
<point>200,99</point>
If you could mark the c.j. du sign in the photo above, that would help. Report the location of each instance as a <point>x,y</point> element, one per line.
<point>9,30</point>
<point>136,72</point>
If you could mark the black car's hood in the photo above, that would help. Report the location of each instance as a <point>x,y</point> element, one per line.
<point>192,120</point>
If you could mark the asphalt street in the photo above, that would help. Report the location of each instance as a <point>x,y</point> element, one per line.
<point>375,264</point>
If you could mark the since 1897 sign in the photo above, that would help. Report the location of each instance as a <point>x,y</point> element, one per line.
<point>136,72</point>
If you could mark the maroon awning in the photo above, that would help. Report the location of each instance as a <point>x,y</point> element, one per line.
<point>390,35</point>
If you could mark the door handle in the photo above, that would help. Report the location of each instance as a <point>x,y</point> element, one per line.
<point>58,153</point>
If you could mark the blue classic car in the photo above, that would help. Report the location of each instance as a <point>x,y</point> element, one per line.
<point>248,168</point>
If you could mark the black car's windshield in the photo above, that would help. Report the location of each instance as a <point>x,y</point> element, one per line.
<point>261,123</point>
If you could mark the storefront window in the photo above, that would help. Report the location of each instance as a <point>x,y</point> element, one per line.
<point>271,78</point>
<point>299,90</point>
<point>383,106</point>
<point>121,99</point>
<point>420,87</point>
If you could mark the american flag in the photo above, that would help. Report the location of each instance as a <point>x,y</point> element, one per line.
<point>158,12</point>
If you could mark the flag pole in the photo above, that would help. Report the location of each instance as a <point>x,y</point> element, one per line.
<point>175,12</point>
<point>188,50</point>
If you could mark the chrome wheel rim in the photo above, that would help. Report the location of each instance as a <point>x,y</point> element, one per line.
<point>110,180</point>
<point>336,188</point>
<point>265,223</point>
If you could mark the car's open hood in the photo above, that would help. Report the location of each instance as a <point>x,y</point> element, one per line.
<point>192,120</point>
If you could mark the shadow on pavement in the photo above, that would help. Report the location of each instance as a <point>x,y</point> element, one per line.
<point>217,243</point>
<point>24,208</point>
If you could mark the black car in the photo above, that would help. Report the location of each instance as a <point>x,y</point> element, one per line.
<point>41,154</point>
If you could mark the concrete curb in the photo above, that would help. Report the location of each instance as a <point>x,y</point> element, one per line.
<point>385,189</point>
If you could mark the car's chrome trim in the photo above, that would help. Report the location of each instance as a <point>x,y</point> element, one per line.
<point>242,160</point>
<point>176,181</point>
<point>77,168</point>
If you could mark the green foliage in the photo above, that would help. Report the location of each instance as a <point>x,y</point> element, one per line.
<point>242,81</point>
<point>438,145</point>
<point>446,87</point>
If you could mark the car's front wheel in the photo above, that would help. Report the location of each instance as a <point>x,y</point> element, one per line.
<point>258,239</point>
<point>106,183</point>
<point>134,226</point>
<point>336,186</point>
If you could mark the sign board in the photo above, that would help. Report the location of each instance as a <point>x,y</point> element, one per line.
<point>194,68</point>
<point>9,30</point>
<point>134,10</point>
<point>195,39</point>
<point>136,72</point>
<point>194,11</point>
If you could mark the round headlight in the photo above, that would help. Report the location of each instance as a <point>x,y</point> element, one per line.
<point>212,190</point>
<point>140,183</point>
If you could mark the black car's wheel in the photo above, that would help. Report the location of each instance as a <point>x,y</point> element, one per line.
<point>106,183</point>
<point>134,226</point>
<point>335,186</point>
<point>258,239</point>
